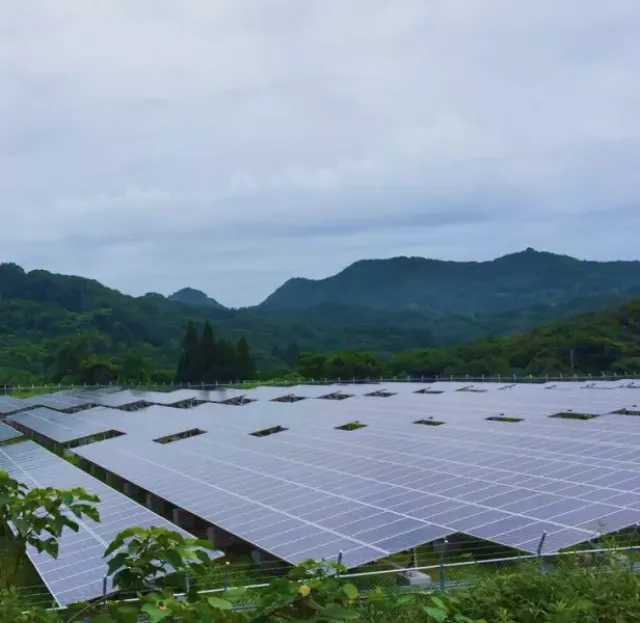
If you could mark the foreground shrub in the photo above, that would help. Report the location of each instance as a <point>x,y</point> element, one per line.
<point>572,592</point>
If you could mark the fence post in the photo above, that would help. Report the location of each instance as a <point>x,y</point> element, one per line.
<point>441,550</point>
<point>539,550</point>
<point>631,551</point>
<point>104,592</point>
<point>339,562</point>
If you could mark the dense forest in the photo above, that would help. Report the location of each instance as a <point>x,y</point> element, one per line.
<point>594,343</point>
<point>58,328</point>
<point>442,288</point>
<point>591,344</point>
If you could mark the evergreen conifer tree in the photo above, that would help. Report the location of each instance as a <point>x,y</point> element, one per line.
<point>245,369</point>
<point>207,355</point>
<point>188,365</point>
<point>227,360</point>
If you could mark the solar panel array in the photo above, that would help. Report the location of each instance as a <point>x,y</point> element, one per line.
<point>9,404</point>
<point>424,462</point>
<point>6,432</point>
<point>77,574</point>
<point>59,427</point>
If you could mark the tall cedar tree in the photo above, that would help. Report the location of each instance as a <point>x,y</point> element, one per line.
<point>244,362</point>
<point>204,360</point>
<point>207,355</point>
<point>227,361</point>
<point>188,368</point>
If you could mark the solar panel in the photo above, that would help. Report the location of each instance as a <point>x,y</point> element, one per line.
<point>6,432</point>
<point>8,404</point>
<point>77,574</point>
<point>59,427</point>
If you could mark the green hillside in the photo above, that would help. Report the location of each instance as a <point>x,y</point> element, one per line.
<point>436,287</point>
<point>607,341</point>
<point>44,314</point>
<point>193,297</point>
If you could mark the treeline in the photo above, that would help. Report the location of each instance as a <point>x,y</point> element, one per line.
<point>595,343</point>
<point>205,360</point>
<point>75,362</point>
<point>607,341</point>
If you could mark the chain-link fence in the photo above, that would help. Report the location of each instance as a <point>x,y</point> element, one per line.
<point>164,387</point>
<point>399,580</point>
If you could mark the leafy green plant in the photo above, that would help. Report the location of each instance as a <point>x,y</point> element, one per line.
<point>310,592</point>
<point>39,516</point>
<point>140,557</point>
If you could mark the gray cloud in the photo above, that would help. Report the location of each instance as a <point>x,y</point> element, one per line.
<point>229,145</point>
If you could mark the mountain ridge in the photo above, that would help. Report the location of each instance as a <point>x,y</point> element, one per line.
<point>508,282</point>
<point>194,297</point>
<point>42,313</point>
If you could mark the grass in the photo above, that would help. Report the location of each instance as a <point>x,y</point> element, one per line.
<point>269,431</point>
<point>12,440</point>
<point>30,392</point>
<point>429,422</point>
<point>571,415</point>
<point>351,426</point>
<point>501,418</point>
<point>627,412</point>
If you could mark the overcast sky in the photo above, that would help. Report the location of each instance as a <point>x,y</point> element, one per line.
<point>228,145</point>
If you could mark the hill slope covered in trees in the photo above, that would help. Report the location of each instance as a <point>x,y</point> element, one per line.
<point>516,281</point>
<point>607,341</point>
<point>52,323</point>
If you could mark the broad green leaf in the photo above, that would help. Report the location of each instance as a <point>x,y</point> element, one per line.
<point>67,498</point>
<point>351,591</point>
<point>21,525</point>
<point>336,612</point>
<point>173,558</point>
<point>220,604</point>
<point>203,543</point>
<point>154,613</point>
<point>436,614</point>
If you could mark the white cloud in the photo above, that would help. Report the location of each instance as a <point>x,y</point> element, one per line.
<point>231,144</point>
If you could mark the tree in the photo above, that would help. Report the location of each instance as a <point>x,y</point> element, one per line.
<point>312,365</point>
<point>188,369</point>
<point>291,354</point>
<point>67,363</point>
<point>97,371</point>
<point>227,361</point>
<point>207,355</point>
<point>135,368</point>
<point>245,368</point>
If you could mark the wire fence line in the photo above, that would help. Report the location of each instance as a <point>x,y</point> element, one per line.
<point>443,576</point>
<point>54,387</point>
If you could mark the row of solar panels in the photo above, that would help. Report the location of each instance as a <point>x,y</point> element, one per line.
<point>64,401</point>
<point>312,494</point>
<point>526,404</point>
